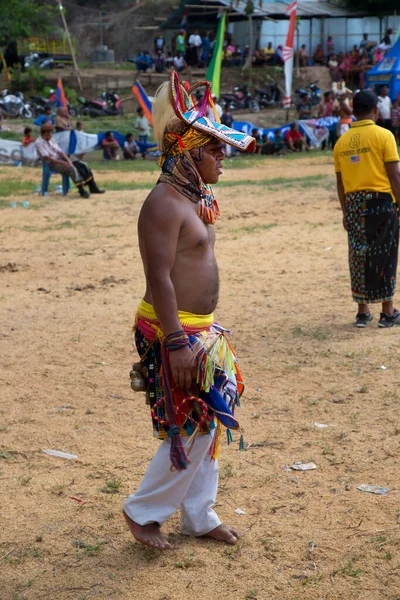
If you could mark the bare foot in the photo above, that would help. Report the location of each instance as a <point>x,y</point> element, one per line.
<point>149,535</point>
<point>224,533</point>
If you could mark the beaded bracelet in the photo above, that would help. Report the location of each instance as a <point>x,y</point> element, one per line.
<point>176,341</point>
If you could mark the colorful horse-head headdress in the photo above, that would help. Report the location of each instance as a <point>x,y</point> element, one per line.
<point>182,124</point>
<point>185,124</point>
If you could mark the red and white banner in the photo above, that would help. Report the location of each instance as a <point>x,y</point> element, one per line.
<point>288,54</point>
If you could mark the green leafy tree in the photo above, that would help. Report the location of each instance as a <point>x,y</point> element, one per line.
<point>24,18</point>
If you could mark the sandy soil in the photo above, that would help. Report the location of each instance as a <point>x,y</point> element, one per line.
<point>71,278</point>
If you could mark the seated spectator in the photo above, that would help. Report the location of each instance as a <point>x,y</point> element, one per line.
<point>130,147</point>
<point>110,146</point>
<point>265,145</point>
<point>269,54</point>
<point>304,107</point>
<point>47,117</point>
<point>333,65</point>
<point>63,120</point>
<point>229,50</point>
<point>279,146</point>
<point>159,62</point>
<point>346,66</point>
<point>169,61</point>
<point>279,56</point>
<point>377,55</point>
<point>258,58</point>
<point>362,67</point>
<point>294,140</point>
<point>237,56</point>
<point>319,56</point>
<point>355,54</point>
<point>256,135</point>
<point>28,139</point>
<point>50,152</point>
<point>179,62</point>
<point>303,58</point>
<point>143,61</point>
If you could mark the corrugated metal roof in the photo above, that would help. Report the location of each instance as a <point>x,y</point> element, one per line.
<point>310,8</point>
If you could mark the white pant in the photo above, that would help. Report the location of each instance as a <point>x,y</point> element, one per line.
<point>193,490</point>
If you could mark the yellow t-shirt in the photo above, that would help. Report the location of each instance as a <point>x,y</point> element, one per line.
<point>360,156</point>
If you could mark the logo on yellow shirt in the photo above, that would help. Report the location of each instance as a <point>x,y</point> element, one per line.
<point>355,141</point>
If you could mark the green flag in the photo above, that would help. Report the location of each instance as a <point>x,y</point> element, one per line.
<point>214,68</point>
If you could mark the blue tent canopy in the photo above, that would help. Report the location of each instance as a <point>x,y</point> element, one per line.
<point>387,72</point>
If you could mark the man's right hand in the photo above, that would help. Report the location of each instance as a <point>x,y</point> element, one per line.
<point>183,367</point>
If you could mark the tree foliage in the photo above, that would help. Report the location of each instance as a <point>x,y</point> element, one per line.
<point>25,18</point>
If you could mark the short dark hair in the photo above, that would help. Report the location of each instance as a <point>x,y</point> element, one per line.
<point>128,135</point>
<point>107,133</point>
<point>139,109</point>
<point>326,94</point>
<point>27,130</point>
<point>364,102</point>
<point>47,107</point>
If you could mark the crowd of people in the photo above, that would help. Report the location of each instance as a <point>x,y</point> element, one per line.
<point>196,50</point>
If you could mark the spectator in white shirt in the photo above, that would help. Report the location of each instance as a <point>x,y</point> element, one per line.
<point>130,147</point>
<point>179,62</point>
<point>50,153</point>
<point>385,109</point>
<point>195,43</point>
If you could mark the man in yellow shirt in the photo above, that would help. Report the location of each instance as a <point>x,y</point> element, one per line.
<point>368,184</point>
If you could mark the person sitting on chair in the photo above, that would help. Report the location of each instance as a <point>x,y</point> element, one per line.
<point>51,153</point>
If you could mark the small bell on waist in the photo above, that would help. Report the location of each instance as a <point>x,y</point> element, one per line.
<point>138,379</point>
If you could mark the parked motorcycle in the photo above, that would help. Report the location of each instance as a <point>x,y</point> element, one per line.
<point>39,104</point>
<point>313,91</point>
<point>14,105</point>
<point>240,98</point>
<point>269,96</point>
<point>109,104</point>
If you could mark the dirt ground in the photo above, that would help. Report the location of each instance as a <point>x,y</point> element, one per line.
<point>71,278</point>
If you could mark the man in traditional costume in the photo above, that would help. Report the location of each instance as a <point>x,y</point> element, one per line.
<point>368,184</point>
<point>187,366</point>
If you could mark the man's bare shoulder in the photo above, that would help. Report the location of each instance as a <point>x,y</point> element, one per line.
<point>161,197</point>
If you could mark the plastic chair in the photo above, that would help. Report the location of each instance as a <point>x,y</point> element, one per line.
<point>47,173</point>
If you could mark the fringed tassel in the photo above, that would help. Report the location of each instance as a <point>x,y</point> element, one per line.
<point>179,459</point>
<point>215,446</point>
<point>241,442</point>
<point>229,436</point>
<point>178,455</point>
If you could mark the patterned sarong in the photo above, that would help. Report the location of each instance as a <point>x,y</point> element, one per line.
<point>218,385</point>
<point>372,225</point>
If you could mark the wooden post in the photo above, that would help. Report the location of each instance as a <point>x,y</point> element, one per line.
<point>77,73</point>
